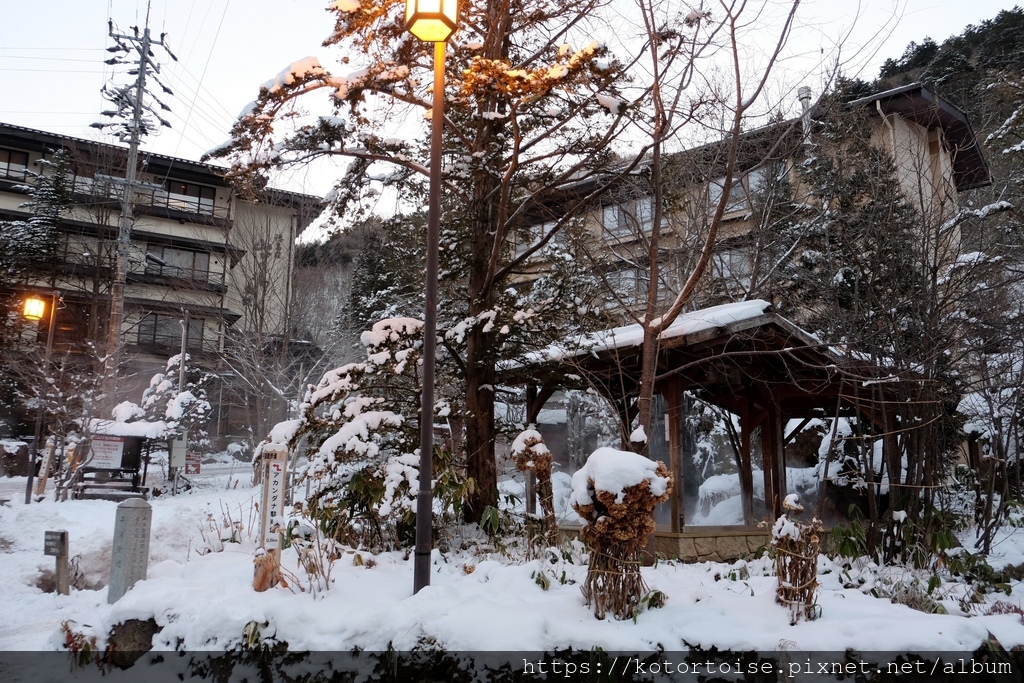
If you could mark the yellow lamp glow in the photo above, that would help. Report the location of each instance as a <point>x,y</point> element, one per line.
<point>34,309</point>
<point>431,21</point>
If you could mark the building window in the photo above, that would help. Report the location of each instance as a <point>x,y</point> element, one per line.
<point>174,262</point>
<point>526,239</point>
<point>744,187</point>
<point>627,287</point>
<point>161,329</point>
<point>190,197</point>
<point>733,266</point>
<point>13,164</point>
<point>628,219</point>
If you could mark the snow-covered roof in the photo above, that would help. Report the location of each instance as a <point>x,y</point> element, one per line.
<point>633,335</point>
<point>147,430</point>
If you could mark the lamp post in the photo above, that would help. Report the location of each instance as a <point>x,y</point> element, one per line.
<point>432,21</point>
<point>34,309</point>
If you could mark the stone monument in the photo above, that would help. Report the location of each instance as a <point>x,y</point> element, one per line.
<point>129,556</point>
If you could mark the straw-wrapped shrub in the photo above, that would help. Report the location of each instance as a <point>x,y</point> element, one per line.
<point>615,493</point>
<point>796,545</point>
<point>530,454</point>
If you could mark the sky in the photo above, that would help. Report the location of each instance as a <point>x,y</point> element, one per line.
<point>52,52</point>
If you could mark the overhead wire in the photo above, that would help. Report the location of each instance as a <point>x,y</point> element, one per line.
<point>206,65</point>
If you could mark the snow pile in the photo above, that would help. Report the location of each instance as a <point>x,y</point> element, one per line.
<point>614,471</point>
<point>304,68</point>
<point>633,335</point>
<point>520,447</point>
<point>147,430</point>
<point>126,411</point>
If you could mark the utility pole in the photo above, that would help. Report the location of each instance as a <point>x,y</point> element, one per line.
<point>136,115</point>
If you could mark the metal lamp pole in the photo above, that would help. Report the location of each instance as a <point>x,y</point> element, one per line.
<point>431,21</point>
<point>39,410</point>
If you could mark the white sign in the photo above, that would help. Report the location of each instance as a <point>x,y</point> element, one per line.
<point>107,452</point>
<point>176,457</point>
<point>275,465</point>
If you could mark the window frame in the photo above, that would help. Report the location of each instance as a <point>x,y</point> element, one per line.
<point>164,329</point>
<point>6,164</point>
<point>172,269</point>
<point>192,197</point>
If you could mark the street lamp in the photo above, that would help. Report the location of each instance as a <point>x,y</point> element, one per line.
<point>432,21</point>
<point>33,310</point>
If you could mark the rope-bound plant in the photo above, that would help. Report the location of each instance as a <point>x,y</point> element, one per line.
<point>797,544</point>
<point>530,454</point>
<point>615,493</point>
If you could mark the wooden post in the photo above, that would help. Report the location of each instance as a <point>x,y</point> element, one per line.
<point>55,543</point>
<point>531,478</point>
<point>773,452</point>
<point>676,421</point>
<point>746,473</point>
<point>44,469</point>
<point>267,565</point>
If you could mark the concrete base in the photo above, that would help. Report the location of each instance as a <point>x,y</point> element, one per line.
<point>701,544</point>
<point>710,544</point>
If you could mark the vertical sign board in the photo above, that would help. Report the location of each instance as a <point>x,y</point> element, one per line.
<point>176,455</point>
<point>44,471</point>
<point>275,465</point>
<point>55,543</point>
<point>193,462</point>
<point>107,452</point>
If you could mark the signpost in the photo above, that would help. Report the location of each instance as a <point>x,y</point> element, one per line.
<point>193,462</point>
<point>44,471</point>
<point>275,465</point>
<point>55,543</point>
<point>275,477</point>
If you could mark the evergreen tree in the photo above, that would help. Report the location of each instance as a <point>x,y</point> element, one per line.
<point>524,116</point>
<point>28,247</point>
<point>28,251</point>
<point>187,409</point>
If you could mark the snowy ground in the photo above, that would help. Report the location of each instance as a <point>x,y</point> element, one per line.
<point>199,590</point>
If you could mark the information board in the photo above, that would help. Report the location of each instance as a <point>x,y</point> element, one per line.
<point>107,452</point>
<point>193,462</point>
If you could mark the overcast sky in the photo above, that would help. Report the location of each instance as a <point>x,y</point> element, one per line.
<point>52,52</point>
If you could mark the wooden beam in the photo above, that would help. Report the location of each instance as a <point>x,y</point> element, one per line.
<point>676,419</point>
<point>746,473</point>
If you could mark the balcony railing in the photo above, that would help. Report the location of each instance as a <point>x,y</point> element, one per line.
<point>104,190</point>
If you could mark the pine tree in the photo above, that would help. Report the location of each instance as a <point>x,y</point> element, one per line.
<point>28,247</point>
<point>524,116</point>
<point>185,410</point>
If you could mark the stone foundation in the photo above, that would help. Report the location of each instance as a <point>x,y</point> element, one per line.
<point>711,544</point>
<point>701,544</point>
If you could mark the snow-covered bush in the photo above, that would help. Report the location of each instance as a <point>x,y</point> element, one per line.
<point>363,462</point>
<point>615,493</point>
<point>531,455</point>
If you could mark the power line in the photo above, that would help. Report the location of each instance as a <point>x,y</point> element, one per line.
<point>52,71</point>
<point>55,49</point>
<point>49,59</point>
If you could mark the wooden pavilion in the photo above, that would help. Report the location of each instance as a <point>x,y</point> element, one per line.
<point>743,358</point>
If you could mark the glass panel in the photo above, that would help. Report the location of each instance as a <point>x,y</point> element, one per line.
<point>737,200</point>
<point>13,164</point>
<point>190,197</point>
<point>165,330</point>
<point>711,491</point>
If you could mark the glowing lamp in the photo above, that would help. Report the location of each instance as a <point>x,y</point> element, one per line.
<point>34,308</point>
<point>431,21</point>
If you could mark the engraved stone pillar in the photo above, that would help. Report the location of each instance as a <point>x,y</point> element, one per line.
<point>129,556</point>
